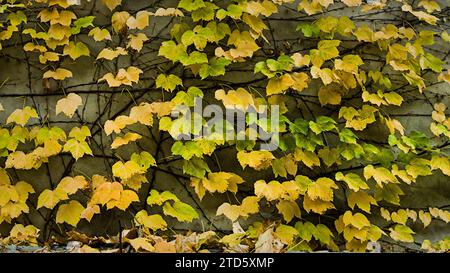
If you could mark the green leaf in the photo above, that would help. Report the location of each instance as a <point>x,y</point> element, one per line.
<point>182,211</point>
<point>430,61</point>
<point>82,22</point>
<point>216,67</point>
<point>191,5</point>
<point>172,51</point>
<point>156,198</point>
<point>309,30</point>
<point>144,160</point>
<point>322,124</point>
<point>196,167</point>
<point>168,83</point>
<point>353,181</point>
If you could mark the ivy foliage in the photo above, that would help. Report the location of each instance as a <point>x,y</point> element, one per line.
<point>329,185</point>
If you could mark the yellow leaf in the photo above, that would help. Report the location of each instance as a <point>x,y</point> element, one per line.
<point>106,192</point>
<point>87,249</point>
<point>402,233</point>
<point>239,98</point>
<point>219,182</point>
<point>288,209</point>
<point>330,94</point>
<point>48,56</point>
<point>310,7</point>
<point>153,222</point>
<point>68,105</point>
<point>279,85</point>
<point>258,160</point>
<point>119,20</point>
<point>168,12</point>
<point>127,138</point>
<point>421,15</point>
<point>77,148</point>
<point>123,77</point>
<point>32,47</point>
<point>100,34</point>
<point>400,216</point>
<point>8,193</point>
<point>46,15</point>
<point>69,213</point>
<point>429,5</point>
<point>76,50</point>
<point>71,185</point>
<point>142,114</point>
<point>21,116</point>
<point>318,206</point>
<point>442,163</point>
<point>140,21</point>
<point>135,182</point>
<point>381,175</point>
<point>89,212</point>
<point>112,4</point>
<point>125,170</point>
<point>118,124</point>
<point>59,33</point>
<point>361,199</point>
<point>425,217</point>
<point>365,33</point>
<point>233,212</point>
<point>141,243</point>
<point>349,63</point>
<point>126,198</point>
<point>136,42</point>
<point>301,81</point>
<point>23,189</point>
<point>59,74</point>
<point>271,191</point>
<point>352,3</point>
<point>322,189</point>
<point>110,54</point>
<point>49,198</point>
<point>300,60</point>
<point>65,18</point>
<point>357,220</point>
<point>310,159</point>
<point>286,234</point>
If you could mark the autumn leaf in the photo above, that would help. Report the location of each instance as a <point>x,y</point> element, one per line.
<point>22,116</point>
<point>112,4</point>
<point>76,50</point>
<point>69,213</point>
<point>110,54</point>
<point>127,138</point>
<point>257,160</point>
<point>137,41</point>
<point>169,82</point>
<point>288,209</point>
<point>77,148</point>
<point>59,74</point>
<point>119,20</point>
<point>141,21</point>
<point>99,34</point>
<point>71,185</point>
<point>68,105</point>
<point>153,222</point>
<point>49,199</point>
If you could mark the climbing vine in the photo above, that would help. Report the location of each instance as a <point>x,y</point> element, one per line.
<point>95,134</point>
